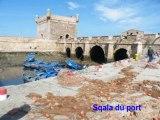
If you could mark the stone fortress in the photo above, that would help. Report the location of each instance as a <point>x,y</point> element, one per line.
<point>59,33</point>
<point>56,27</point>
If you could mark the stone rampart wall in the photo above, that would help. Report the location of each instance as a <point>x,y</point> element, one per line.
<point>19,44</point>
<point>100,38</point>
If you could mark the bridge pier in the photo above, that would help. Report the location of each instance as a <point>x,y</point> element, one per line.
<point>136,48</point>
<point>87,49</point>
<point>110,50</point>
<point>64,47</point>
<point>73,48</point>
<point>139,47</point>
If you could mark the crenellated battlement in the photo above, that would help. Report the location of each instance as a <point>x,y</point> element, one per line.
<point>57,18</point>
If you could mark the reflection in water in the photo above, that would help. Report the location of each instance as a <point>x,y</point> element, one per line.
<point>15,81</point>
<point>11,76</point>
<point>11,65</point>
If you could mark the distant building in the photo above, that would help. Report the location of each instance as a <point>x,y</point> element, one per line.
<point>132,32</point>
<point>56,27</point>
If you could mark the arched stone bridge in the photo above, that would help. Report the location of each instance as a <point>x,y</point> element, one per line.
<point>117,47</point>
<point>98,48</point>
<point>99,51</point>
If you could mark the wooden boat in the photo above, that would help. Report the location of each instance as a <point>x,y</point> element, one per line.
<point>30,57</point>
<point>29,77</point>
<point>73,65</point>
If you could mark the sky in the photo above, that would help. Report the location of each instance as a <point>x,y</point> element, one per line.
<point>97,17</point>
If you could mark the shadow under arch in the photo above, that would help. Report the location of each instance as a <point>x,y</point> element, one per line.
<point>97,54</point>
<point>68,52</point>
<point>79,53</point>
<point>120,54</point>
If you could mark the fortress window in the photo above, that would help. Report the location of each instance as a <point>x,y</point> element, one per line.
<point>120,54</point>
<point>67,36</point>
<point>137,32</point>
<point>131,33</point>
<point>61,37</point>
<point>97,54</point>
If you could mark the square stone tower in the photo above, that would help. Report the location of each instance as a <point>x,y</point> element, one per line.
<point>56,27</point>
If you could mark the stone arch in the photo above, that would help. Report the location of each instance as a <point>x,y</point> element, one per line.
<point>120,54</point>
<point>156,41</point>
<point>79,52</point>
<point>68,52</point>
<point>105,49</point>
<point>97,54</point>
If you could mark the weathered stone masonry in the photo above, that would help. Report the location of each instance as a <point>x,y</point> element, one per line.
<point>58,33</point>
<point>56,27</point>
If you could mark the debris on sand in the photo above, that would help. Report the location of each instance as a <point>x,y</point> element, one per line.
<point>67,78</point>
<point>152,88</point>
<point>78,107</point>
<point>152,65</point>
<point>122,90</point>
<point>32,95</point>
<point>51,105</point>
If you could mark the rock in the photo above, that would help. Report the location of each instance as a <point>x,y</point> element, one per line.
<point>61,117</point>
<point>34,95</point>
<point>103,99</point>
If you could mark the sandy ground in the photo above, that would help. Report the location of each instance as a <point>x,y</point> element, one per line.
<point>129,83</point>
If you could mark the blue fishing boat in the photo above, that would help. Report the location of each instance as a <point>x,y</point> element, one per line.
<point>45,66</point>
<point>29,77</point>
<point>40,74</point>
<point>27,65</point>
<point>54,64</point>
<point>73,65</point>
<point>51,72</point>
<point>30,57</point>
<point>50,65</point>
<point>35,64</point>
<point>47,69</point>
<point>59,68</point>
<point>62,65</point>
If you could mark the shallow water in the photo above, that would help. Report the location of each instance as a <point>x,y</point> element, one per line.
<point>11,65</point>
